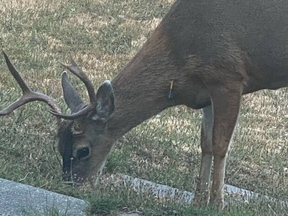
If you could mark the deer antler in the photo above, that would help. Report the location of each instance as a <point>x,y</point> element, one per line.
<point>28,94</point>
<point>74,68</point>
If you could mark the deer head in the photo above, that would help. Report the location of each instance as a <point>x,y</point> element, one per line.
<point>81,130</point>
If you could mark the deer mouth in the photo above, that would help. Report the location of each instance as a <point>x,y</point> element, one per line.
<point>78,181</point>
<point>73,180</point>
<point>78,177</point>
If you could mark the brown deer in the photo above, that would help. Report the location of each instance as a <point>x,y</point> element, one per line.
<point>213,51</point>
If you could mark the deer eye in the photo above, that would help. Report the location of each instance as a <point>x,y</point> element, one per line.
<point>83,153</point>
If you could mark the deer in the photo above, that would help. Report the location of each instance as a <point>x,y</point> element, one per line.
<point>207,53</point>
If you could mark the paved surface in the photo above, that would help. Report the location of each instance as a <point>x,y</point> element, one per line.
<point>16,198</point>
<point>164,191</point>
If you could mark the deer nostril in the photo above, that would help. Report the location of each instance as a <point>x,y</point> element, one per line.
<point>83,153</point>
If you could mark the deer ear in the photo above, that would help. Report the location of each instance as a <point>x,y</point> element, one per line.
<point>71,96</point>
<point>105,101</point>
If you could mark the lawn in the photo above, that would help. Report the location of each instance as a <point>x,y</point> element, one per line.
<point>102,36</point>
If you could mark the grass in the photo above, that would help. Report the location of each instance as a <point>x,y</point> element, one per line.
<point>102,36</point>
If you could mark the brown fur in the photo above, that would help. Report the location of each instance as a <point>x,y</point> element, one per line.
<point>215,51</point>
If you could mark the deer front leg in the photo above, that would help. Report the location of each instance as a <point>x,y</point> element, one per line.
<point>203,182</point>
<point>226,104</point>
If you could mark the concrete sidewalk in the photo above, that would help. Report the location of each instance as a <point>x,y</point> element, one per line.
<point>16,198</point>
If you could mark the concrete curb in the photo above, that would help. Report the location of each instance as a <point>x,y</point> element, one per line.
<point>17,198</point>
<point>180,196</point>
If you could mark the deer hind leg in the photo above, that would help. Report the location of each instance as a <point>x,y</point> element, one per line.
<point>226,104</point>
<point>203,182</point>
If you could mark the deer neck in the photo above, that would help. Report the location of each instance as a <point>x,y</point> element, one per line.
<point>141,88</point>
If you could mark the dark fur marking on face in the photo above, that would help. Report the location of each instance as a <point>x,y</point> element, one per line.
<point>65,144</point>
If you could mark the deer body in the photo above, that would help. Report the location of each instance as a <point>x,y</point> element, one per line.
<point>214,51</point>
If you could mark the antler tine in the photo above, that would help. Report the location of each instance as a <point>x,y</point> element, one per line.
<point>74,68</point>
<point>28,94</point>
